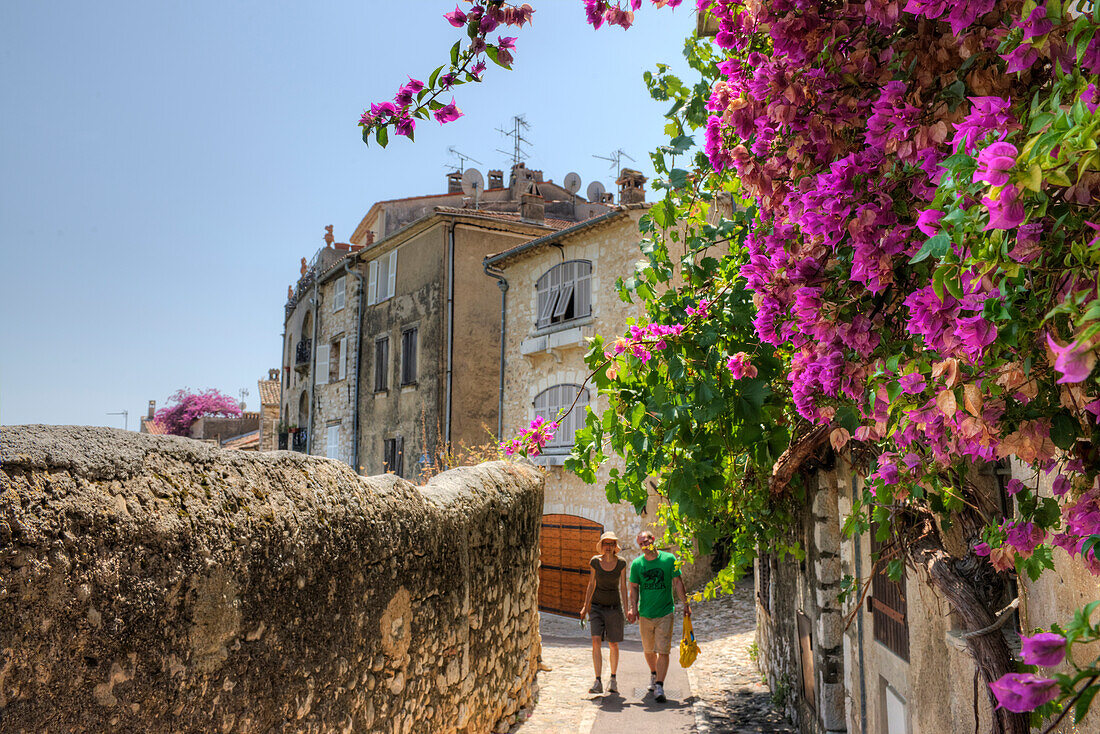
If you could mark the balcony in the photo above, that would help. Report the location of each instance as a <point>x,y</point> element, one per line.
<point>298,441</point>
<point>302,354</point>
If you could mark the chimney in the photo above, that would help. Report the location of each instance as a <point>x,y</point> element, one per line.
<point>152,409</point>
<point>273,374</point>
<point>496,179</point>
<point>454,182</point>
<point>631,186</point>
<point>532,207</point>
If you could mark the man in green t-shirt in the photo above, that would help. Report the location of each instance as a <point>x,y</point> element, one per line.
<point>653,576</point>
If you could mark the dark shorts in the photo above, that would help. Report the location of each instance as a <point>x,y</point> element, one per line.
<point>607,622</point>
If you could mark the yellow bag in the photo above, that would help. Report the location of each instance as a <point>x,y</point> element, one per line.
<point>689,650</point>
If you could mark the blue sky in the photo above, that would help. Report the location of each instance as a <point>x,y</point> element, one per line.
<point>167,164</point>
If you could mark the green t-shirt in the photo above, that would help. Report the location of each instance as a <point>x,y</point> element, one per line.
<point>654,580</point>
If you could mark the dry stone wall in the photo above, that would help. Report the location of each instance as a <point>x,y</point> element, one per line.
<point>158,584</point>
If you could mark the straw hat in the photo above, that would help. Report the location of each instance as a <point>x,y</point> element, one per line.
<point>607,536</point>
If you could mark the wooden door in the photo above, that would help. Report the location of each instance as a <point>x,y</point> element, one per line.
<point>568,543</point>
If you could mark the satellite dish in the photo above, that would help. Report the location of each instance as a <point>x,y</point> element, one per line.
<point>596,192</point>
<point>473,183</point>
<point>572,183</point>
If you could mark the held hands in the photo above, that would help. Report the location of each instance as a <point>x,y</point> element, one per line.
<point>631,616</point>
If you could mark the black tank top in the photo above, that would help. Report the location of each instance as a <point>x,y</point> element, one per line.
<point>607,583</point>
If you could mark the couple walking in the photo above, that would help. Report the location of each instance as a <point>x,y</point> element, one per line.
<point>653,576</point>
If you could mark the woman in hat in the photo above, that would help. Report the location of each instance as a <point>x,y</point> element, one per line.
<point>603,603</point>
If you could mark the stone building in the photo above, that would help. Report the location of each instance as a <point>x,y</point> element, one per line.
<point>401,325</point>
<point>270,401</point>
<point>894,660</point>
<point>559,290</point>
<point>320,345</point>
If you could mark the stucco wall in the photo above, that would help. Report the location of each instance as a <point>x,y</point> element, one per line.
<point>332,401</point>
<point>158,584</point>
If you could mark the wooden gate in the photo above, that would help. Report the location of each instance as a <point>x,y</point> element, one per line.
<point>568,543</point>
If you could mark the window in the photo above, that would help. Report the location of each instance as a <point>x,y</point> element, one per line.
<point>382,278</point>
<point>332,443</point>
<point>887,601</point>
<point>340,294</point>
<point>393,453</point>
<point>564,293</point>
<point>551,402</point>
<point>381,364</point>
<point>408,356</point>
<point>338,360</point>
<point>322,363</point>
<point>806,656</point>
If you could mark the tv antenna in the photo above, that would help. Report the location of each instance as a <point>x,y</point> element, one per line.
<point>473,183</point>
<point>616,159</point>
<point>519,124</point>
<point>462,158</point>
<point>243,392</point>
<point>125,418</point>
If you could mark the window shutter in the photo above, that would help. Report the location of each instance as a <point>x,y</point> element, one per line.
<point>392,275</point>
<point>563,300</point>
<point>343,367</point>
<point>341,291</point>
<point>321,378</point>
<point>582,294</point>
<point>372,283</point>
<point>332,442</point>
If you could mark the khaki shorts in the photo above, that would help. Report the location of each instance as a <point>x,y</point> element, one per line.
<point>656,634</point>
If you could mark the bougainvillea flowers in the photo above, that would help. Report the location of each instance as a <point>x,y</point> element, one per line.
<point>1022,692</point>
<point>1045,648</point>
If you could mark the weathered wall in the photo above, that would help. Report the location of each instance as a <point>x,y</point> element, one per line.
<point>333,400</point>
<point>158,584</point>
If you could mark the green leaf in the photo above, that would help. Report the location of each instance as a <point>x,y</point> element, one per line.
<point>936,247</point>
<point>1083,703</point>
<point>435,75</point>
<point>681,143</point>
<point>1063,430</point>
<point>454,53</point>
<point>382,136</point>
<point>678,177</point>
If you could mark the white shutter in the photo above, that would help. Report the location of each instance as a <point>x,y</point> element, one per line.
<point>372,283</point>
<point>322,365</point>
<point>343,367</point>
<point>332,442</point>
<point>341,290</point>
<point>392,282</point>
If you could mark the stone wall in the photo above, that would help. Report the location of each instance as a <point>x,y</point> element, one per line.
<point>159,584</point>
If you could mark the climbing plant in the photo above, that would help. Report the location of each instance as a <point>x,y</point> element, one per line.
<point>913,233</point>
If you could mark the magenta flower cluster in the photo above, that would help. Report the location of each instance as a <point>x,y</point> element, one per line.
<point>532,440</point>
<point>185,407</point>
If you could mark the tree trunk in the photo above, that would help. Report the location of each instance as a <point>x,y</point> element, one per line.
<point>990,652</point>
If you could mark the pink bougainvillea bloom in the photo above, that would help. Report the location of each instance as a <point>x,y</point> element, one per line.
<point>448,113</point>
<point>457,18</point>
<point>387,109</point>
<point>1023,692</point>
<point>447,80</point>
<point>1014,486</point>
<point>405,126</point>
<point>994,163</point>
<point>928,221</point>
<point>1061,485</point>
<point>1075,364</point>
<point>740,366</point>
<point>477,45</point>
<point>1028,247</point>
<point>1006,211</point>
<point>506,42</point>
<point>1025,537</point>
<point>1091,97</point>
<point>982,549</point>
<point>1021,58</point>
<point>1045,648</point>
<point>1037,24</point>
<point>477,70</point>
<point>366,118</point>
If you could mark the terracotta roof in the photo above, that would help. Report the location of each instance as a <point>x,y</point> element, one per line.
<point>244,442</point>
<point>270,392</point>
<point>549,222</point>
<point>151,426</point>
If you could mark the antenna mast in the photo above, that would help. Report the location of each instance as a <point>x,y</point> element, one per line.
<point>616,159</point>
<point>519,124</point>
<point>462,158</point>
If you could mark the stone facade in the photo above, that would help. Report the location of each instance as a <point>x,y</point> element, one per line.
<point>270,392</point>
<point>158,584</point>
<point>861,679</point>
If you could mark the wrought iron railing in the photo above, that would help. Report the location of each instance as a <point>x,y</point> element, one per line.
<point>284,441</point>
<point>302,353</point>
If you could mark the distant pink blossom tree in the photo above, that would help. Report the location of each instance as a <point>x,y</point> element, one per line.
<point>185,407</point>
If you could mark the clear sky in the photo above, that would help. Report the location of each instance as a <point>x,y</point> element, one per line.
<point>166,164</point>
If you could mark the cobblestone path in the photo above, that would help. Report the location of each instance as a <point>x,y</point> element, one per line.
<point>723,688</point>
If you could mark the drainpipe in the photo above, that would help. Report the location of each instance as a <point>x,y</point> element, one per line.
<point>859,623</point>
<point>315,302</point>
<point>358,360</point>
<point>503,285</point>
<point>450,332</point>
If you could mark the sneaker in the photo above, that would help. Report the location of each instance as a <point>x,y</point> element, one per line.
<point>652,681</point>
<point>613,686</point>
<point>597,687</point>
<point>659,692</point>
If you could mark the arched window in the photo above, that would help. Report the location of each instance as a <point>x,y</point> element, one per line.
<point>564,293</point>
<point>552,401</point>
